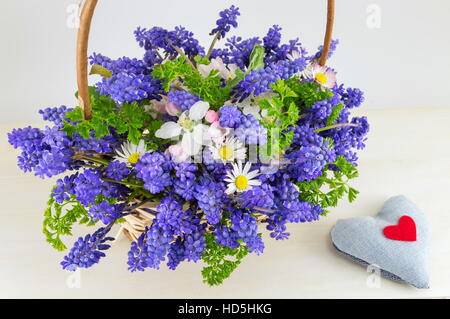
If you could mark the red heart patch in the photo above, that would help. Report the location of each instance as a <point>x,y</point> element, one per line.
<point>404,231</point>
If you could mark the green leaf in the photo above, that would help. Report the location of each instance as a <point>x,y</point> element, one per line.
<point>352,194</point>
<point>257,58</point>
<point>282,113</point>
<point>198,59</point>
<point>239,76</point>
<point>328,189</point>
<point>308,93</point>
<point>76,115</point>
<point>130,119</point>
<point>222,261</point>
<point>209,89</point>
<point>283,89</point>
<point>334,114</point>
<point>59,219</point>
<point>100,70</point>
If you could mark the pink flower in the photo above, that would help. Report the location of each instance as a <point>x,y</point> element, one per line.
<point>160,106</point>
<point>217,132</point>
<point>172,109</point>
<point>211,116</point>
<point>177,153</point>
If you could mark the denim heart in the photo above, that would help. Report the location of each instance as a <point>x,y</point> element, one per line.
<point>362,240</point>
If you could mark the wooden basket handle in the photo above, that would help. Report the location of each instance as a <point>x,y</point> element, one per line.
<point>82,45</point>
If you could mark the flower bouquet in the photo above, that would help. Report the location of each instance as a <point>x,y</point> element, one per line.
<point>193,152</point>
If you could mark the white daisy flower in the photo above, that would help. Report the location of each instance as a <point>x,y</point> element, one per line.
<point>241,179</point>
<point>295,55</point>
<point>228,150</point>
<point>130,153</point>
<point>189,125</point>
<point>323,75</point>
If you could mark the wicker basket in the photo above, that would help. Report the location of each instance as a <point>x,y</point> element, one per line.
<point>142,216</point>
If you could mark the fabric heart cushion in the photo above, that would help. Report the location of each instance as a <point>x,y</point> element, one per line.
<point>396,241</point>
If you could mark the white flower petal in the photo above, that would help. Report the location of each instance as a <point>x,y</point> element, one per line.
<point>198,111</point>
<point>253,110</point>
<point>204,69</point>
<point>254,182</point>
<point>202,135</point>
<point>231,189</point>
<point>247,167</point>
<point>168,130</point>
<point>121,159</point>
<point>189,145</point>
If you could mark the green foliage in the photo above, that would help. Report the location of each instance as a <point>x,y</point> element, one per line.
<point>256,62</point>
<point>59,219</point>
<point>257,58</point>
<point>201,60</point>
<point>239,76</point>
<point>222,261</point>
<point>328,189</point>
<point>334,114</point>
<point>209,89</point>
<point>308,93</point>
<point>130,118</point>
<point>282,113</point>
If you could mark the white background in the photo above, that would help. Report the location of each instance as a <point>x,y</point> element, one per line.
<point>404,63</point>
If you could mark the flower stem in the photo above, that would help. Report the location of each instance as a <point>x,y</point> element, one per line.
<point>123,183</point>
<point>264,210</point>
<point>211,47</point>
<point>181,53</point>
<point>335,126</point>
<point>94,159</point>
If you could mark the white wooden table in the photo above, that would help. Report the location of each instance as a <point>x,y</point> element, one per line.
<point>408,153</point>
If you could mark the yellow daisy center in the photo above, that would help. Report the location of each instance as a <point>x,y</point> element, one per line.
<point>134,158</point>
<point>241,182</point>
<point>321,78</point>
<point>225,152</point>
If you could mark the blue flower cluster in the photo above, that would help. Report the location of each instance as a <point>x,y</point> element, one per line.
<point>258,82</point>
<point>237,51</point>
<point>289,208</point>
<point>46,152</point>
<point>175,234</point>
<point>87,251</point>
<point>250,130</point>
<point>276,52</point>
<point>243,228</point>
<point>129,87</point>
<point>333,46</point>
<point>184,184</point>
<point>210,196</point>
<point>154,170</point>
<point>351,97</point>
<point>226,21</point>
<point>321,110</point>
<point>54,114</point>
<point>308,162</point>
<point>159,38</point>
<point>106,212</point>
<point>183,99</point>
<point>350,138</point>
<point>246,127</point>
<point>117,170</point>
<point>87,188</point>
